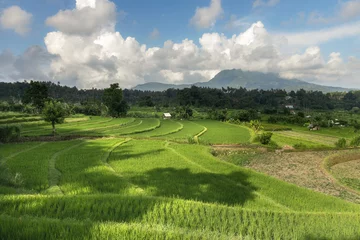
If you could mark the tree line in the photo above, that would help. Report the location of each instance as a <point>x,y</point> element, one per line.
<point>92,101</point>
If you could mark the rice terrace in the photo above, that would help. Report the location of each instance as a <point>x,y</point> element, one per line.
<point>171,120</point>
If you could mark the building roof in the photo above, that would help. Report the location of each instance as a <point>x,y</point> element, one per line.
<point>167,115</point>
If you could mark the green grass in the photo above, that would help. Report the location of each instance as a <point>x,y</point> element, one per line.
<point>126,188</point>
<point>33,165</point>
<point>139,217</point>
<point>167,127</point>
<point>282,140</point>
<point>224,133</point>
<point>91,126</point>
<point>190,129</point>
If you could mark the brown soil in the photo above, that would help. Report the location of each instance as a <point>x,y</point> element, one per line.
<point>303,169</point>
<point>347,169</point>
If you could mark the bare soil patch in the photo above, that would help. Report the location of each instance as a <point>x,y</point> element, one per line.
<point>347,169</point>
<point>303,169</point>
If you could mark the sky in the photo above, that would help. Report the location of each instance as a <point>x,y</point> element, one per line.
<point>93,43</point>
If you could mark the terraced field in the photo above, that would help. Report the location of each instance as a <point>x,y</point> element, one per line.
<point>224,133</point>
<point>154,188</point>
<point>140,178</point>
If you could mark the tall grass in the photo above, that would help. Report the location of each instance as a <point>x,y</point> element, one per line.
<point>224,133</point>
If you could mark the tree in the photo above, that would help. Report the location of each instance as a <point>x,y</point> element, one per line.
<point>113,99</point>
<point>256,125</point>
<point>36,94</point>
<point>55,113</point>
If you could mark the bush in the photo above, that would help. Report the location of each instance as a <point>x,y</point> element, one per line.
<point>272,119</point>
<point>355,141</point>
<point>300,146</point>
<point>341,143</point>
<point>9,133</point>
<point>191,139</point>
<point>265,138</point>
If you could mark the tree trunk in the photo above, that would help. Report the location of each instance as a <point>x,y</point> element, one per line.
<point>53,128</point>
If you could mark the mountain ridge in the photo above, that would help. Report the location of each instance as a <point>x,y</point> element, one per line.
<point>237,78</point>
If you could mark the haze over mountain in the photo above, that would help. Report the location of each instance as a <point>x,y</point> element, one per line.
<point>237,78</point>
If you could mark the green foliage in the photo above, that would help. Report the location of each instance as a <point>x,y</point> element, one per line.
<point>113,99</point>
<point>144,189</point>
<point>183,112</point>
<point>265,138</point>
<point>341,143</point>
<point>256,125</point>
<point>355,141</point>
<point>36,94</point>
<point>272,120</point>
<point>219,115</point>
<point>301,114</point>
<point>55,113</point>
<point>146,101</point>
<point>9,133</point>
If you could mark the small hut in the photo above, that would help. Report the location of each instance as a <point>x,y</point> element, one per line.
<point>167,116</point>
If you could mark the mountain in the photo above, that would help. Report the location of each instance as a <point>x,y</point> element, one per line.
<point>251,80</point>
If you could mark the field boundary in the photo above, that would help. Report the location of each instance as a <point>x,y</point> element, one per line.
<point>144,130</point>
<point>225,179</point>
<point>196,137</point>
<point>337,159</point>
<point>4,160</point>
<point>54,173</point>
<point>168,133</point>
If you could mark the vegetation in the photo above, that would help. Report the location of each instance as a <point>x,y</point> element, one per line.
<point>265,138</point>
<point>9,133</point>
<point>341,143</point>
<point>113,99</point>
<point>140,176</point>
<point>55,113</point>
<point>36,94</point>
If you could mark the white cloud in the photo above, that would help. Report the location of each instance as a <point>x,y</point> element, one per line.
<point>88,17</point>
<point>350,9</point>
<point>100,55</point>
<point>236,23</point>
<point>324,35</point>
<point>154,34</point>
<point>34,63</point>
<point>264,3</point>
<point>14,18</point>
<point>206,17</point>
<point>346,11</point>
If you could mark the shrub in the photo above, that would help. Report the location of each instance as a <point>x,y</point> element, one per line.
<point>9,133</point>
<point>191,139</point>
<point>272,119</point>
<point>341,143</point>
<point>265,138</point>
<point>300,146</point>
<point>355,141</point>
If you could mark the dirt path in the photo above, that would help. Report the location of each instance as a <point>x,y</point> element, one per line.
<point>303,169</point>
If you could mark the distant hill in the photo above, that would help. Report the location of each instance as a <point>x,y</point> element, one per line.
<point>251,80</point>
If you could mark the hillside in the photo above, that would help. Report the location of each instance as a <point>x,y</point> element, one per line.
<point>251,80</point>
<point>141,179</point>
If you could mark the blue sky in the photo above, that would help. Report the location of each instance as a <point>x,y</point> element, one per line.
<point>172,21</point>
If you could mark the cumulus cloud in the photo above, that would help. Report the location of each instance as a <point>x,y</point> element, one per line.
<point>99,55</point>
<point>264,3</point>
<point>16,19</point>
<point>206,17</point>
<point>89,16</point>
<point>34,63</point>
